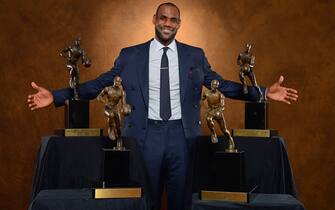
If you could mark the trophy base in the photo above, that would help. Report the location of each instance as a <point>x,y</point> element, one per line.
<point>241,197</point>
<point>116,167</point>
<point>77,114</point>
<point>126,192</point>
<point>256,115</point>
<point>79,132</point>
<point>231,177</point>
<point>254,133</point>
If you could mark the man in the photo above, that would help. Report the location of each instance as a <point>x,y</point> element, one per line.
<point>163,79</point>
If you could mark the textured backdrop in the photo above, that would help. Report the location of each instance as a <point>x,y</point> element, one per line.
<point>293,38</point>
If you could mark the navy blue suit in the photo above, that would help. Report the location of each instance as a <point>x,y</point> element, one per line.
<point>133,67</point>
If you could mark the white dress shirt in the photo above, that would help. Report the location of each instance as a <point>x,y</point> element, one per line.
<point>155,56</point>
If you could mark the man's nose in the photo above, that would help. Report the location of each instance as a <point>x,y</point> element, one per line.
<point>168,23</point>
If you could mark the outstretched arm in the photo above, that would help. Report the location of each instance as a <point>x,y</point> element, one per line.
<point>279,93</point>
<point>42,98</point>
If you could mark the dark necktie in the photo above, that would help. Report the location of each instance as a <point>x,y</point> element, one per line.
<point>165,106</point>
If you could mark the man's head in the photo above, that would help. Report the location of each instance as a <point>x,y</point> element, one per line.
<point>167,22</point>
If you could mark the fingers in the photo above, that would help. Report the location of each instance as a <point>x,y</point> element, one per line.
<point>32,102</point>
<point>291,90</point>
<point>286,101</point>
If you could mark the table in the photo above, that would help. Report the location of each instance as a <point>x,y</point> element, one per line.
<point>77,162</point>
<point>261,202</point>
<point>81,199</point>
<point>266,160</point>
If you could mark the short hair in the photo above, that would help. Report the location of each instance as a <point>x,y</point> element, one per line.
<point>168,4</point>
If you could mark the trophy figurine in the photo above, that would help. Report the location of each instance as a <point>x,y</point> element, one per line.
<point>246,61</point>
<point>73,54</point>
<point>115,106</point>
<point>215,101</point>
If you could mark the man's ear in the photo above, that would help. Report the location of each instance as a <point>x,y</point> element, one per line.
<point>179,23</point>
<point>154,19</point>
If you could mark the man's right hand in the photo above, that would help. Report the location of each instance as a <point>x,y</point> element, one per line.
<point>41,99</point>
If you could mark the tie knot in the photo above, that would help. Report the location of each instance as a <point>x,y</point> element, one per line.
<point>165,49</point>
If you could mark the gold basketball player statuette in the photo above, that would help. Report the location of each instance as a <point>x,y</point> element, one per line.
<point>215,101</point>
<point>114,98</point>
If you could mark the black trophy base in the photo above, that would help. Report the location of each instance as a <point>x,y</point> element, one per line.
<point>77,114</point>
<point>256,115</point>
<point>116,168</point>
<point>227,173</point>
<point>227,180</point>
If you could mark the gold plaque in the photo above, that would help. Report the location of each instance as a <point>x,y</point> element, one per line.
<point>254,133</point>
<point>79,132</point>
<point>225,196</point>
<point>134,192</point>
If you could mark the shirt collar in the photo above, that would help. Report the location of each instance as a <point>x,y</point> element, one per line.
<point>158,46</point>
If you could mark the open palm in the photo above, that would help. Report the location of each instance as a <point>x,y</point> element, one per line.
<point>41,99</point>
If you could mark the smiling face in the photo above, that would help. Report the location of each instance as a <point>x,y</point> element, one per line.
<point>167,23</point>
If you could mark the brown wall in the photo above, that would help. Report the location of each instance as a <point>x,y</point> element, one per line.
<point>293,38</point>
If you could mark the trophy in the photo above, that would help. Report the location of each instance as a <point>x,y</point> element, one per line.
<point>73,54</point>
<point>114,98</point>
<point>215,101</point>
<point>246,61</point>
<point>226,170</point>
<point>76,109</point>
<point>256,113</point>
<point>116,181</point>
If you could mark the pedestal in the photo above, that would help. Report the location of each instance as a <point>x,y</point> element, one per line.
<point>256,115</point>
<point>228,172</point>
<point>77,114</point>
<point>116,167</point>
<point>116,181</point>
<point>227,179</point>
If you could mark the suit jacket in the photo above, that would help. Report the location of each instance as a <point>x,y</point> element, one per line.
<point>133,67</point>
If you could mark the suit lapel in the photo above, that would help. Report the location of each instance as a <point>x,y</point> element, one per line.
<point>143,70</point>
<point>184,67</point>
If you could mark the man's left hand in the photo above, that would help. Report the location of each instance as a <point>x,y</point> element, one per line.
<point>279,93</point>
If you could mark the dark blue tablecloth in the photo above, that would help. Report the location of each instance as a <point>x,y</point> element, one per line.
<point>76,162</point>
<point>81,199</point>
<point>261,202</point>
<point>266,161</point>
